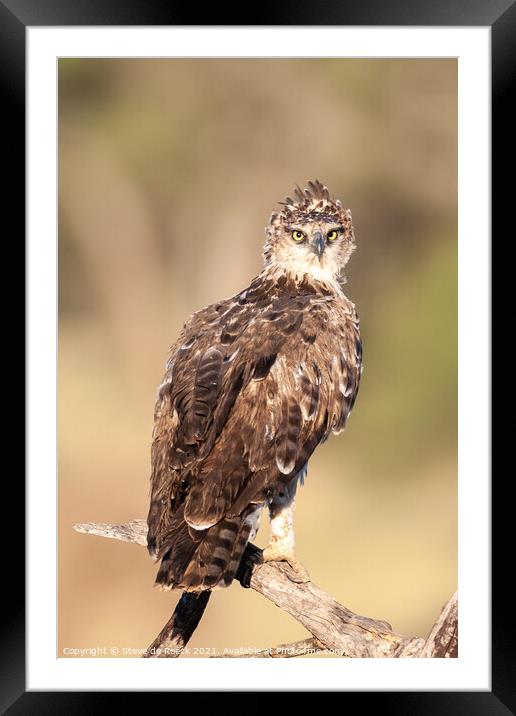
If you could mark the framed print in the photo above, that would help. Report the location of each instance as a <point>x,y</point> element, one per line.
<point>156,152</point>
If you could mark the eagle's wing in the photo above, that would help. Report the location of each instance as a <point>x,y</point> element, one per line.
<point>252,386</point>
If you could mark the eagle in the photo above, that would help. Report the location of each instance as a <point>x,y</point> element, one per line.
<point>253,385</point>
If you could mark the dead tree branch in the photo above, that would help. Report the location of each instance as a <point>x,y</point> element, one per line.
<point>333,626</point>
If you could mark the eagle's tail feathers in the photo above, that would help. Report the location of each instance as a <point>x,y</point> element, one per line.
<point>199,560</point>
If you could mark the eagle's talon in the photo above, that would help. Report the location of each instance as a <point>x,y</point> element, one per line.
<point>250,559</point>
<point>296,572</point>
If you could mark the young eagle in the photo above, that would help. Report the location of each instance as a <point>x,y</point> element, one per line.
<point>253,384</point>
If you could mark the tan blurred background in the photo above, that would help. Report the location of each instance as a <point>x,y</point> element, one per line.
<point>168,172</point>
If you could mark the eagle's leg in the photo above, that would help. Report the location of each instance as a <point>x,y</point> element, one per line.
<point>282,541</point>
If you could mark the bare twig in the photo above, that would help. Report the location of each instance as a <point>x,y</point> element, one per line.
<point>135,531</point>
<point>332,625</point>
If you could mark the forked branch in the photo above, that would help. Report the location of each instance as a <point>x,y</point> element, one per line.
<point>333,627</point>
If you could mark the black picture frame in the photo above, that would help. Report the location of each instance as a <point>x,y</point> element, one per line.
<point>500,16</point>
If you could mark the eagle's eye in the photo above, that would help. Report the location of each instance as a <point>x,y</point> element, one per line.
<point>297,235</point>
<point>332,235</point>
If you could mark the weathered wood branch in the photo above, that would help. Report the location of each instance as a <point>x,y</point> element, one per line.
<point>443,640</point>
<point>333,626</point>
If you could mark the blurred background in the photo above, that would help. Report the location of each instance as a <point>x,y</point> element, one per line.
<point>168,172</point>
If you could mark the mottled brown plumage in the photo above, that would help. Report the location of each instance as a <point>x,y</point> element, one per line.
<point>253,384</point>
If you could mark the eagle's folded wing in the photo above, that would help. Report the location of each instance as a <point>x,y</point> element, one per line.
<point>248,394</point>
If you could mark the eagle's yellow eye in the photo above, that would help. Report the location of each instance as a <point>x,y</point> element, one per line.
<point>297,235</point>
<point>332,235</point>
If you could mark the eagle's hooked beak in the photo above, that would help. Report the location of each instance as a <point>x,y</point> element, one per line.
<point>318,244</point>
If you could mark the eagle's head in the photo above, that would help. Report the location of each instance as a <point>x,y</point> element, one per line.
<point>312,236</point>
